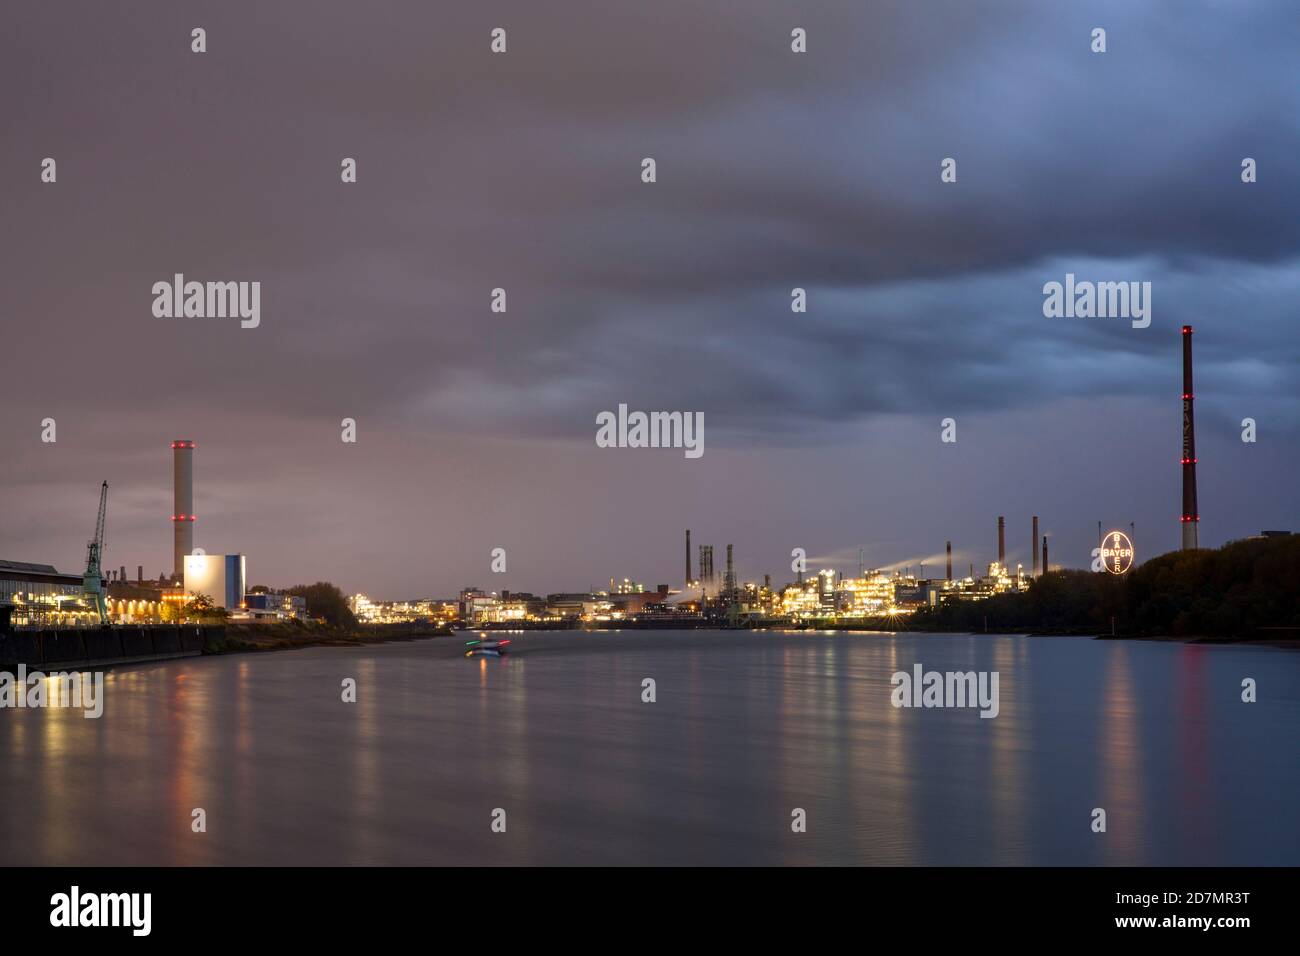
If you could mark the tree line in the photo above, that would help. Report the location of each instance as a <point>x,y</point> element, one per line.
<point>1232,591</point>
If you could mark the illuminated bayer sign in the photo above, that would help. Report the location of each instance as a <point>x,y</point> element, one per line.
<point>1115,553</point>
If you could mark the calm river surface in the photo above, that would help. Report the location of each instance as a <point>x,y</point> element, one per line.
<point>746,727</point>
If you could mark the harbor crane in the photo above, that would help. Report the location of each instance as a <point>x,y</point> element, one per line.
<point>93,581</point>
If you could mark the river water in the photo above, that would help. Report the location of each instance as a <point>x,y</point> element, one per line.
<point>746,728</point>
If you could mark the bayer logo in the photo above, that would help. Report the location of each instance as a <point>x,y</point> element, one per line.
<point>1117,552</point>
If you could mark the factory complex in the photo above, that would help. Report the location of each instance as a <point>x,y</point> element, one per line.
<point>38,596</point>
<point>198,584</point>
<point>703,598</point>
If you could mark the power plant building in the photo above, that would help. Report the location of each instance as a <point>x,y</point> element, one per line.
<point>221,577</point>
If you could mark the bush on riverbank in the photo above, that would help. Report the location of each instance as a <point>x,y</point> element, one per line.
<point>327,602</point>
<point>281,635</point>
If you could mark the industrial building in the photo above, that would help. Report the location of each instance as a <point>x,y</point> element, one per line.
<point>275,606</point>
<point>429,611</point>
<point>37,595</point>
<point>567,605</point>
<point>624,601</point>
<point>220,577</point>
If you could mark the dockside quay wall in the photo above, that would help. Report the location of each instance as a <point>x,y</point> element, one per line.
<point>64,648</point>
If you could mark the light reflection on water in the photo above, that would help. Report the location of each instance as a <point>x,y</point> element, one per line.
<point>746,727</point>
<point>1121,757</point>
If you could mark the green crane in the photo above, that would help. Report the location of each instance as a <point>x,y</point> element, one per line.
<point>93,582</point>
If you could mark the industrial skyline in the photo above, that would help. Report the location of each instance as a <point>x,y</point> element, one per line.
<point>183,517</point>
<point>993,575</point>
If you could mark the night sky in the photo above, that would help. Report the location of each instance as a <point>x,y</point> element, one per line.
<point>775,170</point>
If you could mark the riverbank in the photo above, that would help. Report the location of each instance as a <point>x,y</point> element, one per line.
<point>69,648</point>
<point>244,638</point>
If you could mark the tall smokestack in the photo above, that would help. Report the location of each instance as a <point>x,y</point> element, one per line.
<point>729,582</point>
<point>949,561</point>
<point>139,573</point>
<point>1034,550</point>
<point>1002,541</point>
<point>1044,554</point>
<point>182,504</point>
<point>1191,517</point>
<point>688,557</point>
